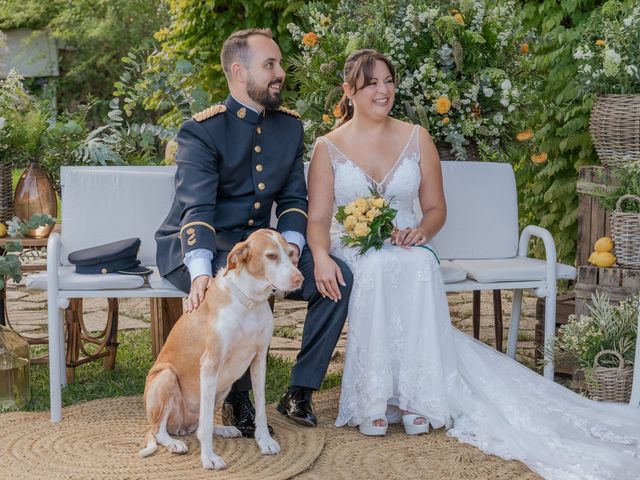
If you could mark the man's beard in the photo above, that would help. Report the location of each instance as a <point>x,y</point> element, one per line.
<point>263,96</point>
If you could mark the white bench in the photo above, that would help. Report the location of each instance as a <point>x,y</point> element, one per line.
<point>479,246</point>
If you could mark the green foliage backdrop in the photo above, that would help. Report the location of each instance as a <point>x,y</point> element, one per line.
<point>560,120</point>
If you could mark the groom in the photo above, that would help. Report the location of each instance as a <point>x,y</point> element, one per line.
<point>234,161</point>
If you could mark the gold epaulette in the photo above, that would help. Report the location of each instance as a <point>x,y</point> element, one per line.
<point>293,113</point>
<point>209,112</point>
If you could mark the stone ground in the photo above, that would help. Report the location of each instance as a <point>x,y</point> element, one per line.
<point>28,314</point>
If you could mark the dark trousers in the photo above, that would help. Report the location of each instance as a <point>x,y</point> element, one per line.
<point>322,326</point>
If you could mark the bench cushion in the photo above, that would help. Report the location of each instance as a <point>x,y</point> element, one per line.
<point>451,273</point>
<point>157,282</point>
<point>70,280</point>
<point>511,270</point>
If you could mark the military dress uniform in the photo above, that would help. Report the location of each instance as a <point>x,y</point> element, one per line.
<point>232,165</point>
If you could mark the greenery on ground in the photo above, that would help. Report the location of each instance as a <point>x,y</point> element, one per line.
<point>133,363</point>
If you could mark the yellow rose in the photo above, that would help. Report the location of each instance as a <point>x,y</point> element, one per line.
<point>326,118</point>
<point>361,202</point>
<point>378,202</point>
<point>445,120</point>
<point>361,229</point>
<point>459,18</point>
<point>350,222</point>
<point>443,105</point>
<point>524,48</point>
<point>373,213</point>
<point>358,212</point>
<point>601,43</point>
<point>349,209</point>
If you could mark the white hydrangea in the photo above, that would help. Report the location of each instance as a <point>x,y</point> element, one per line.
<point>504,101</point>
<point>506,85</point>
<point>488,91</point>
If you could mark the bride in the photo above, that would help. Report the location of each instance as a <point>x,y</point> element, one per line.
<point>405,361</point>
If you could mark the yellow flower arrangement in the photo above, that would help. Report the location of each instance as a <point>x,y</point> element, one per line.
<point>443,105</point>
<point>367,221</point>
<point>524,135</point>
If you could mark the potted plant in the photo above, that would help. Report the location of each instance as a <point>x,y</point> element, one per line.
<point>603,344</point>
<point>460,67</point>
<point>609,67</point>
<point>622,199</point>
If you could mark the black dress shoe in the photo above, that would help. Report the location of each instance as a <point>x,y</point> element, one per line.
<point>298,407</point>
<point>241,414</point>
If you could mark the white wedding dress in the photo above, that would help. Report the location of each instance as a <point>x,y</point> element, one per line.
<point>403,353</point>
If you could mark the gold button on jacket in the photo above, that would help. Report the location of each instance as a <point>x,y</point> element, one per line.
<point>259,167</point>
<point>261,186</point>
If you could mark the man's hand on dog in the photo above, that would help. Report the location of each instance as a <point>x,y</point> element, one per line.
<point>196,295</point>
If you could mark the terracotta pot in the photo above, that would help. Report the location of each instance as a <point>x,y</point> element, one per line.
<point>35,195</point>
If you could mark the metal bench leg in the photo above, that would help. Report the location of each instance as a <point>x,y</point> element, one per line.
<point>514,327</point>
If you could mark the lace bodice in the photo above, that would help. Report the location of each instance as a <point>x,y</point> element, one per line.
<point>399,186</point>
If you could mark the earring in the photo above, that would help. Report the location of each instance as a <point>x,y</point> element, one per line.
<point>350,103</point>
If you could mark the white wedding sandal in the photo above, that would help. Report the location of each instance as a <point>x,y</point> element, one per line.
<point>368,428</point>
<point>411,428</point>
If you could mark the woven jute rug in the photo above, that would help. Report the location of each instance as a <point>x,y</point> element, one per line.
<point>100,440</point>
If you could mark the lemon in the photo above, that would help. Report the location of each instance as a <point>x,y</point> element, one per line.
<point>592,258</point>
<point>603,259</point>
<point>3,230</point>
<point>604,244</point>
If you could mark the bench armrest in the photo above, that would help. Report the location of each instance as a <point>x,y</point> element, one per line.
<point>549,248</point>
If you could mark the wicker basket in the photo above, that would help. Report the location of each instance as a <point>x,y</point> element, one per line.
<point>611,384</point>
<point>625,230</point>
<point>615,128</point>
<point>6,192</point>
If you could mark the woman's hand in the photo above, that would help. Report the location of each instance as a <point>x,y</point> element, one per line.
<point>196,294</point>
<point>328,275</point>
<point>408,236</point>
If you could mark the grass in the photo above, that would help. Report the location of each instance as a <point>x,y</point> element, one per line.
<point>134,361</point>
<point>286,331</point>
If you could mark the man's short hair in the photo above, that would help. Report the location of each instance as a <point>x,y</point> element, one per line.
<point>236,48</point>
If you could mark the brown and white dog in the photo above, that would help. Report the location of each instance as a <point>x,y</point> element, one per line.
<point>211,347</point>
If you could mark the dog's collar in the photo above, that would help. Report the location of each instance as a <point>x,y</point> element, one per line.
<point>242,297</point>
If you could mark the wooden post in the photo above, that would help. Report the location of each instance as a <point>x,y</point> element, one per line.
<point>475,316</point>
<point>165,312</point>
<point>111,342</point>
<point>497,315</point>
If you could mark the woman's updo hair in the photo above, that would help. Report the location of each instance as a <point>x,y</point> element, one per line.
<point>360,64</point>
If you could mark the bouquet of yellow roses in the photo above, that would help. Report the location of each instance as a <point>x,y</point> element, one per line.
<point>368,222</point>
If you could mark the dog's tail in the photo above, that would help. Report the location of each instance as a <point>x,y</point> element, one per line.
<point>151,447</point>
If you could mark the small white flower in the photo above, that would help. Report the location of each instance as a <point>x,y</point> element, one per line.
<point>505,85</point>
<point>628,21</point>
<point>631,70</point>
<point>612,56</point>
<point>2,122</point>
<point>498,118</point>
<point>511,108</point>
<point>488,91</point>
<point>504,101</point>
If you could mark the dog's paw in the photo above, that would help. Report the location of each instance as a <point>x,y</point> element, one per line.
<point>268,446</point>
<point>177,446</point>
<point>212,462</point>
<point>226,431</point>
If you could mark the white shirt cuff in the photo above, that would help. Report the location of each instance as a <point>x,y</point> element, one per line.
<point>296,238</point>
<point>198,262</point>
